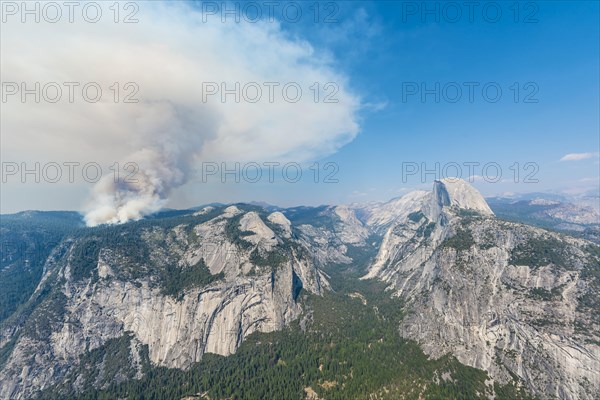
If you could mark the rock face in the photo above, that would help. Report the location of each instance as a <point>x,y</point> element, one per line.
<point>330,231</point>
<point>517,301</point>
<point>250,289</point>
<point>453,192</point>
<point>349,228</point>
<point>504,297</point>
<point>575,215</point>
<point>380,216</point>
<point>285,224</point>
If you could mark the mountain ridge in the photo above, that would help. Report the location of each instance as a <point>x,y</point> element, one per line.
<point>185,284</point>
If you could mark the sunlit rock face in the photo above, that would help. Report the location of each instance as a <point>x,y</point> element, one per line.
<point>249,292</point>
<point>504,297</point>
<point>511,299</point>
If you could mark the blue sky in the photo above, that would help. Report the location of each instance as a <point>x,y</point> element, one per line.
<point>559,53</point>
<point>381,48</point>
<point>378,50</point>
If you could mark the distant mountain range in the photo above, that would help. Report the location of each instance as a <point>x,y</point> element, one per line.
<point>578,215</point>
<point>436,294</point>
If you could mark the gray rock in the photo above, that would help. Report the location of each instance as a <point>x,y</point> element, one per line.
<point>468,298</point>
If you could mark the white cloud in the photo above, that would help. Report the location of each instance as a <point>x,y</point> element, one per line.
<point>578,156</point>
<point>588,180</point>
<point>475,178</point>
<point>169,54</point>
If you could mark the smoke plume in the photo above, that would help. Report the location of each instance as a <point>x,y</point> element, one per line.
<point>168,56</point>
